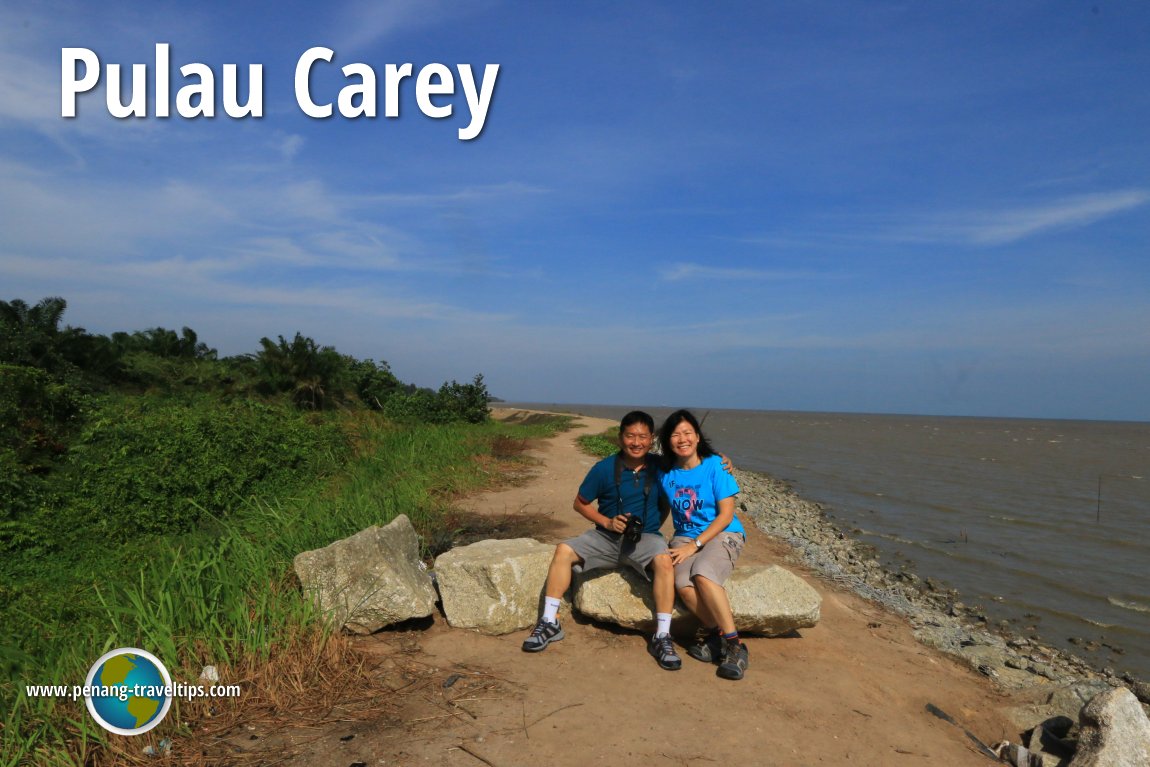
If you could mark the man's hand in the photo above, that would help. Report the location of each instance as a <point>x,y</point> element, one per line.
<point>727,465</point>
<point>618,523</point>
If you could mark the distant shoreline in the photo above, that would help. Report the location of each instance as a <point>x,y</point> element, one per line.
<point>572,408</point>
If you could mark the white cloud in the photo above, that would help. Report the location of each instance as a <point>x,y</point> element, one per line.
<point>978,227</point>
<point>685,271</point>
<point>1002,227</point>
<point>1068,213</point>
<point>483,193</point>
<point>289,145</point>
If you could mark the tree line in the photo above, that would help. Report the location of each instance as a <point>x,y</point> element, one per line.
<point>60,385</point>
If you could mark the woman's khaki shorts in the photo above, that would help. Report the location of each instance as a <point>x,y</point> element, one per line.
<point>714,561</point>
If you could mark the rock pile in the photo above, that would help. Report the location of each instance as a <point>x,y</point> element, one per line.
<point>375,578</point>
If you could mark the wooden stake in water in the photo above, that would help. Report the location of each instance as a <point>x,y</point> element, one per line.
<point>1098,513</point>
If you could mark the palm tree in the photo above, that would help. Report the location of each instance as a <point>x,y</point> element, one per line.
<point>31,334</point>
<point>311,373</point>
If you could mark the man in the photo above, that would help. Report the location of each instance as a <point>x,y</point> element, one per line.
<point>617,489</point>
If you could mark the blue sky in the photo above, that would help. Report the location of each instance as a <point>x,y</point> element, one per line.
<point>909,207</point>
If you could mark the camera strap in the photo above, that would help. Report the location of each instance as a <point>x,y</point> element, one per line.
<point>648,478</point>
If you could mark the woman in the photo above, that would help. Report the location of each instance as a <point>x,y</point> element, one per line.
<point>708,538</point>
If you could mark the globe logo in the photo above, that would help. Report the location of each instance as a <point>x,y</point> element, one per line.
<point>131,691</point>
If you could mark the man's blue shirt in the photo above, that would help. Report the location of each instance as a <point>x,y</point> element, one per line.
<point>600,486</point>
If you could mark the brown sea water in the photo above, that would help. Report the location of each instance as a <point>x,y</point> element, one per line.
<point>1045,524</point>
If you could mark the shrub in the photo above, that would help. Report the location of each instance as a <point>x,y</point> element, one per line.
<point>465,402</point>
<point>165,466</point>
<point>454,402</point>
<point>35,415</point>
<point>374,382</point>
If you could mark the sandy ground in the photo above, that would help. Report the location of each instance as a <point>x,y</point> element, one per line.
<point>852,690</point>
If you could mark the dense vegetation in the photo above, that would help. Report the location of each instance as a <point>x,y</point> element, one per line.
<point>152,494</point>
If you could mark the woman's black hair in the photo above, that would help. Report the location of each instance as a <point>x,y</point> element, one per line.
<point>704,448</point>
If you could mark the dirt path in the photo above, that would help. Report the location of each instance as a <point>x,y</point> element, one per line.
<point>853,690</point>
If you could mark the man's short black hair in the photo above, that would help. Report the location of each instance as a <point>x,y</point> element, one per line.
<point>637,416</point>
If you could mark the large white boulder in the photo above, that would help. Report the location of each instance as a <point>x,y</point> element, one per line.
<point>493,586</point>
<point>765,600</point>
<point>622,597</point>
<point>771,601</point>
<point>370,580</point>
<point>1113,732</point>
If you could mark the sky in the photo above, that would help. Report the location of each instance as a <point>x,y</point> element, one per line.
<point>897,207</point>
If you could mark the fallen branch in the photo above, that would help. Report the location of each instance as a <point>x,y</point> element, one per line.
<point>556,711</point>
<point>463,747</point>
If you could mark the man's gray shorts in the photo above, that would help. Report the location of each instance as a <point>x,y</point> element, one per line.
<point>715,561</point>
<point>599,549</point>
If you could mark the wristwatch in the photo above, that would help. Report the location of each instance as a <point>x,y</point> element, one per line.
<point>698,544</point>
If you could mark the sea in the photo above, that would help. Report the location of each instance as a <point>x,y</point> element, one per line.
<point>1043,524</point>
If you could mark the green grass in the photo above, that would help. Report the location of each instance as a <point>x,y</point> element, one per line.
<point>600,445</point>
<point>222,593</point>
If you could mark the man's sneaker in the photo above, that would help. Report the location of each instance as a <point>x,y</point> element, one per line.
<point>734,665</point>
<point>708,649</point>
<point>544,633</point>
<point>663,650</point>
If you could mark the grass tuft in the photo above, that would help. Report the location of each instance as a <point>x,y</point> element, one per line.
<point>600,445</point>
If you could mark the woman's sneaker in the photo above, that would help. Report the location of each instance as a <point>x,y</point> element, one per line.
<point>708,648</point>
<point>544,633</point>
<point>734,665</point>
<point>663,650</point>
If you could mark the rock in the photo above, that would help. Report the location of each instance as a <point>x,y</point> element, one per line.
<point>771,601</point>
<point>623,597</point>
<point>1114,732</point>
<point>494,586</point>
<point>765,600</point>
<point>1046,741</point>
<point>1068,700</point>
<point>1064,701</point>
<point>1020,756</point>
<point>370,580</point>
<point>1140,689</point>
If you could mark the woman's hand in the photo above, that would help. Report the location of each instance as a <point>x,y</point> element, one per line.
<point>682,553</point>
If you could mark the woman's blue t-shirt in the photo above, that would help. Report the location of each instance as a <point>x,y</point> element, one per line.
<point>695,493</point>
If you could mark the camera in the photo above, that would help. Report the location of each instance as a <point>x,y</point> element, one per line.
<point>634,530</point>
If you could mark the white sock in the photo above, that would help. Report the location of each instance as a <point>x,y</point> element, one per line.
<point>663,621</point>
<point>551,609</point>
